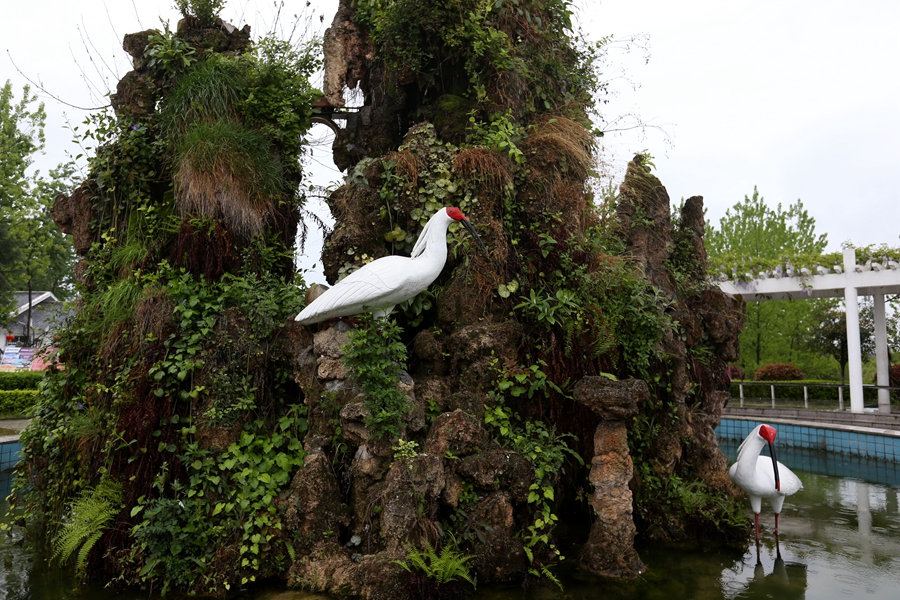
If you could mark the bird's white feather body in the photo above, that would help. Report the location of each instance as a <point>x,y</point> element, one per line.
<point>381,284</point>
<point>755,474</point>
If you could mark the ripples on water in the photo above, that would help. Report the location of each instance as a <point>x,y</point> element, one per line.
<point>840,537</point>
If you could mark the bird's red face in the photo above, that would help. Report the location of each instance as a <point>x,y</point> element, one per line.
<point>767,433</point>
<point>455,214</point>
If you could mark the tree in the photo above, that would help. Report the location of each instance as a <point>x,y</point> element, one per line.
<point>36,255</point>
<point>751,233</point>
<point>21,136</point>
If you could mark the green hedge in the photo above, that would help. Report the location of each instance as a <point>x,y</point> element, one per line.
<point>17,402</point>
<point>20,380</point>
<point>760,389</point>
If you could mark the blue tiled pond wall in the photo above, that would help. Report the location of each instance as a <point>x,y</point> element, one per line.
<point>10,452</point>
<point>841,441</point>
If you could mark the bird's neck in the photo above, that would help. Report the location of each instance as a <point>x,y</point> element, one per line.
<point>748,452</point>
<point>435,241</point>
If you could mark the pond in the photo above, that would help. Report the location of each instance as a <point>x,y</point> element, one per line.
<point>840,537</point>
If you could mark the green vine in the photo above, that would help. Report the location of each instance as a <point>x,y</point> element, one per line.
<point>544,447</point>
<point>375,355</point>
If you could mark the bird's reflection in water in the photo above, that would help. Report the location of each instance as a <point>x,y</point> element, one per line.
<point>783,580</point>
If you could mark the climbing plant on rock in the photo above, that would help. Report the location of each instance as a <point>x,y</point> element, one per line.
<point>177,385</point>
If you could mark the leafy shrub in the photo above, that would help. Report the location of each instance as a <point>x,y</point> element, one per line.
<point>20,380</point>
<point>778,372</point>
<point>206,11</point>
<point>17,402</point>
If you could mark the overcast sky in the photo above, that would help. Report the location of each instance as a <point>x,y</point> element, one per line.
<point>798,97</point>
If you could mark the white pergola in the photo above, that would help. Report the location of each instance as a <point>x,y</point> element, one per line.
<point>855,280</point>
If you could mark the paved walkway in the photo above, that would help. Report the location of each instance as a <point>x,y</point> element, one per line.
<point>868,422</point>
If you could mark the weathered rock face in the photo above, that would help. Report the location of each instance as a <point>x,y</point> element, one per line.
<point>710,321</point>
<point>395,504</point>
<point>475,337</point>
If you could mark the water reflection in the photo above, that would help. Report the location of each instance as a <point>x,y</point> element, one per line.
<point>780,579</point>
<point>840,536</point>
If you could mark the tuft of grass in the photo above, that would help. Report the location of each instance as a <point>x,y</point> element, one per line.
<point>558,139</point>
<point>116,304</point>
<point>487,167</point>
<point>210,92</point>
<point>229,171</point>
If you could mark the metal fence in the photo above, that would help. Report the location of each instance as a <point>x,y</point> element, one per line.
<point>821,396</point>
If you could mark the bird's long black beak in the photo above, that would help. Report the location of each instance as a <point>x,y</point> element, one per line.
<point>775,466</point>
<point>471,229</point>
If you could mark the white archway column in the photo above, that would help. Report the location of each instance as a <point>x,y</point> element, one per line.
<point>854,351</point>
<point>882,366</point>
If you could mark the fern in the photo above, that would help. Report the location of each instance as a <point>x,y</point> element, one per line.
<point>91,514</point>
<point>443,568</point>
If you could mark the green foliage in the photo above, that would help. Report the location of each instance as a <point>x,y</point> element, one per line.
<point>206,11</point>
<point>227,495</point>
<point>90,515</point>
<point>684,262</point>
<point>374,357</point>
<point>699,502</point>
<point>178,323</point>
<point>263,298</point>
<point>409,203</point>
<point>595,307</point>
<point>751,229</point>
<point>405,450</point>
<point>17,402</point>
<point>479,41</point>
<point>500,134</point>
<point>280,98</point>
<point>543,446</point>
<point>20,380</point>
<point>446,567</point>
<point>167,54</point>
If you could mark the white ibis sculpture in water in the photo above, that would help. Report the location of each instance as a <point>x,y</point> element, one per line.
<point>388,281</point>
<point>763,476</point>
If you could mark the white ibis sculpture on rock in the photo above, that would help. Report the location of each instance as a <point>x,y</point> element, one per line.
<point>388,281</point>
<point>763,476</point>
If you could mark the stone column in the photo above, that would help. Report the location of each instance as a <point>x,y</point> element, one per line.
<point>610,550</point>
<point>854,352</point>
<point>882,365</point>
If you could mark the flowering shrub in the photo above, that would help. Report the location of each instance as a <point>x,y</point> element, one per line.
<point>778,372</point>
<point>735,372</point>
<point>894,374</point>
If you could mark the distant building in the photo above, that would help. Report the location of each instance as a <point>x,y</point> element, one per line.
<point>46,311</point>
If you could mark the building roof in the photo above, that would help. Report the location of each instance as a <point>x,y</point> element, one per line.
<point>21,300</point>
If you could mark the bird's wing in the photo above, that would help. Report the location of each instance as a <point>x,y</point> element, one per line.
<point>370,286</point>
<point>790,483</point>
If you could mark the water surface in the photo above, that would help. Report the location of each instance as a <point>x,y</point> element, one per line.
<point>840,538</point>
